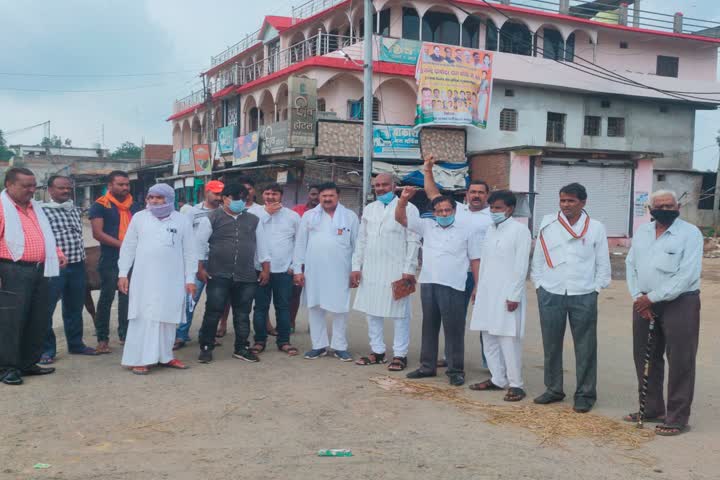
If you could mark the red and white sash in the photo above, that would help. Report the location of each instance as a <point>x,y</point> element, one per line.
<point>561,220</point>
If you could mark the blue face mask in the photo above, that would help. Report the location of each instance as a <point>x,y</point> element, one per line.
<point>498,217</point>
<point>445,221</point>
<point>386,198</point>
<point>237,206</point>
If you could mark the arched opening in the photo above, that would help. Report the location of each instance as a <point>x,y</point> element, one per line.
<point>186,135</point>
<point>471,32</point>
<point>296,48</point>
<point>338,91</point>
<point>394,95</point>
<point>491,36</point>
<point>410,24</point>
<point>177,137</point>
<point>551,45</point>
<point>281,102</point>
<point>251,113</point>
<point>196,132</point>
<point>381,28</point>
<point>515,37</point>
<point>579,42</point>
<point>267,108</point>
<point>440,27</point>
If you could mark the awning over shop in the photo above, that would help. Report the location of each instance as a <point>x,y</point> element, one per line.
<point>448,176</point>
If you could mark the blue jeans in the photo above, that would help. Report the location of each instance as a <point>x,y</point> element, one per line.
<point>70,286</point>
<point>279,289</point>
<point>183,330</point>
<point>220,290</point>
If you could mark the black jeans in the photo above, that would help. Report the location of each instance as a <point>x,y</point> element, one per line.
<point>23,315</point>
<point>442,305</point>
<point>240,295</point>
<point>70,287</point>
<point>108,287</point>
<point>279,290</point>
<point>581,312</point>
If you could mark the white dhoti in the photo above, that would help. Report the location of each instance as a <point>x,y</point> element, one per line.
<point>504,358</point>
<point>148,342</point>
<point>318,329</point>
<point>401,338</point>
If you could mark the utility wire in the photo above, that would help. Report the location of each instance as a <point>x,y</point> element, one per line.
<point>92,75</point>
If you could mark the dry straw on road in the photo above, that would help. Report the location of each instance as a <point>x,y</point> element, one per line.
<point>553,423</point>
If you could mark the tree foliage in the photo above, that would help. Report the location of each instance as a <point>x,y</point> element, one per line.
<point>55,142</point>
<point>127,150</point>
<point>5,152</point>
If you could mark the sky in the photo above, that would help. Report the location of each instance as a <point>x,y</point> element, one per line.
<point>108,71</point>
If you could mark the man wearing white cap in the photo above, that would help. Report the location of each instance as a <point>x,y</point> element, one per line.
<point>160,247</point>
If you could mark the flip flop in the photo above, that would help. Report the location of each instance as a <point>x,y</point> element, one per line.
<point>671,430</point>
<point>633,418</point>
<point>140,370</point>
<point>485,386</point>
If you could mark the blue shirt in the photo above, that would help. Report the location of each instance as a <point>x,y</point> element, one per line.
<point>111,226</point>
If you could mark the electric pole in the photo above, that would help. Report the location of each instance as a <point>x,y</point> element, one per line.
<point>716,202</point>
<point>367,101</point>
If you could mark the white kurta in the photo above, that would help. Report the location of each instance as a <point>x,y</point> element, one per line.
<point>162,254</point>
<point>385,250</point>
<point>503,270</point>
<point>326,252</point>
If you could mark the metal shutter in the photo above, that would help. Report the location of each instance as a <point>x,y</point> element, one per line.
<point>609,192</point>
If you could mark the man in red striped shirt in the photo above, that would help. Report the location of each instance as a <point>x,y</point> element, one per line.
<point>28,256</point>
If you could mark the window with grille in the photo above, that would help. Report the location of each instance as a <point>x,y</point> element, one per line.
<point>508,120</point>
<point>555,127</point>
<point>592,126</point>
<point>321,105</point>
<point>667,66</point>
<point>616,127</point>
<point>355,109</point>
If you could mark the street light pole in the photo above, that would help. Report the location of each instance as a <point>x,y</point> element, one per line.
<point>716,202</point>
<point>367,101</point>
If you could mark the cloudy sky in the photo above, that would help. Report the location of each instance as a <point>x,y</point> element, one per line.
<point>116,66</point>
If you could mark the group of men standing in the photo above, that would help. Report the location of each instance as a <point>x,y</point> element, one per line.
<point>247,254</point>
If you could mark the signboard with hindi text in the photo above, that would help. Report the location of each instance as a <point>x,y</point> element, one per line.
<point>454,86</point>
<point>275,138</point>
<point>186,160</point>
<point>302,111</point>
<point>396,141</point>
<point>246,149</point>
<point>400,50</point>
<point>225,138</point>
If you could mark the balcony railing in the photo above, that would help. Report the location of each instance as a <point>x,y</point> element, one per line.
<point>247,42</point>
<point>193,99</point>
<point>620,13</point>
<point>311,7</point>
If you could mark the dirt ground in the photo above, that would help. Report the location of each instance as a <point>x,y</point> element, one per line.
<point>92,419</point>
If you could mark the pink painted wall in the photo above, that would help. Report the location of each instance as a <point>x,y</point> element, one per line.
<point>698,60</point>
<point>338,91</point>
<point>397,100</point>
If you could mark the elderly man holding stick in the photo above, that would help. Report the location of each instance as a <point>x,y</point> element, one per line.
<point>663,276</point>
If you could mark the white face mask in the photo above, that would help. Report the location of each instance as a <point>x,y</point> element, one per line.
<point>498,217</point>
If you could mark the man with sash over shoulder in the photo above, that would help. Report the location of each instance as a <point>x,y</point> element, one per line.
<point>570,265</point>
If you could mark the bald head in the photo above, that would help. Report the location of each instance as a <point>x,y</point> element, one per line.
<point>383,184</point>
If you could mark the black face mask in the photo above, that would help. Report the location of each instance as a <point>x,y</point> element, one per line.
<point>665,217</point>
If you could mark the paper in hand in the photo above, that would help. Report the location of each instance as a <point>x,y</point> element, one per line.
<point>190,303</point>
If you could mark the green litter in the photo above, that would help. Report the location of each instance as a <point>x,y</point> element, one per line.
<point>335,452</point>
<point>41,466</point>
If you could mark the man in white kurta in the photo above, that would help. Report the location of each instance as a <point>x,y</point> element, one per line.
<point>160,248</point>
<point>324,247</point>
<point>385,252</point>
<point>501,301</point>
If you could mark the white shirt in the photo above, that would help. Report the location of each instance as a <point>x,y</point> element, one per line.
<point>256,209</point>
<point>204,231</point>
<point>446,251</point>
<point>580,265</point>
<point>480,221</point>
<point>280,231</point>
<point>196,212</point>
<point>666,266</point>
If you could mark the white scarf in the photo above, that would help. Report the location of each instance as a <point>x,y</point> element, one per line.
<point>339,218</point>
<point>68,205</point>
<point>15,237</point>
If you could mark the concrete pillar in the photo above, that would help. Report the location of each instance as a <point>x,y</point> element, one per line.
<point>318,43</point>
<point>564,7</point>
<point>623,14</point>
<point>678,22</point>
<point>636,14</point>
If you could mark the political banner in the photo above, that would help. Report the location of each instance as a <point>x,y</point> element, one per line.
<point>396,141</point>
<point>246,149</point>
<point>226,137</point>
<point>202,159</point>
<point>454,86</point>
<point>185,160</point>
<point>400,50</point>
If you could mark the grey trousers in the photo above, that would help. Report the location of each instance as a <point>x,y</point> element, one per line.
<point>581,311</point>
<point>677,328</point>
<point>444,306</point>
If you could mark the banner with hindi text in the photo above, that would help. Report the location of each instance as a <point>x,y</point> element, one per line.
<point>454,86</point>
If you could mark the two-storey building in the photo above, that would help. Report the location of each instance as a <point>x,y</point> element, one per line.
<point>583,91</point>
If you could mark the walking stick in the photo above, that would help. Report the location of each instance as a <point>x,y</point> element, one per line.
<point>646,371</point>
